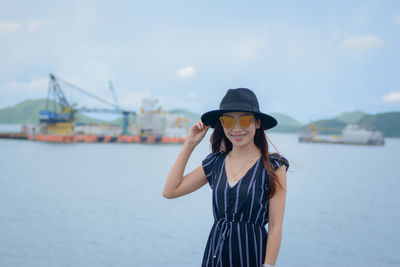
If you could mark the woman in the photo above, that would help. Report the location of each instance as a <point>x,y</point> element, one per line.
<point>248,183</point>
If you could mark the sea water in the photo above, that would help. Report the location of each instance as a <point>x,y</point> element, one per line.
<point>102,205</point>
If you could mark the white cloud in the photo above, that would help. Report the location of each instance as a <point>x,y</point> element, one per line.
<point>13,27</point>
<point>249,50</point>
<point>9,27</point>
<point>361,43</point>
<point>33,25</point>
<point>391,97</point>
<point>28,89</point>
<point>193,95</point>
<point>186,72</point>
<point>13,92</point>
<point>397,20</point>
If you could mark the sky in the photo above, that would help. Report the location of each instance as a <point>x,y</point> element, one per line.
<point>306,59</point>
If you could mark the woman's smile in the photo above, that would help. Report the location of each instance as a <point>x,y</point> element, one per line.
<point>238,136</point>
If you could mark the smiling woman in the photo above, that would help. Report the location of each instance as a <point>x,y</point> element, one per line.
<point>248,183</point>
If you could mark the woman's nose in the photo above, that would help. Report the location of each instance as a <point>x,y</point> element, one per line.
<point>236,125</point>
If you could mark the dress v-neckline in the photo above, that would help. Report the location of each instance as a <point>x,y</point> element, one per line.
<point>226,176</point>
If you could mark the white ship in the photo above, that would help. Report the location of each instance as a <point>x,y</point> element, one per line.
<point>352,134</point>
<point>355,134</point>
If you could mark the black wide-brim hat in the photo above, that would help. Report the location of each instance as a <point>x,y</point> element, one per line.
<point>239,100</point>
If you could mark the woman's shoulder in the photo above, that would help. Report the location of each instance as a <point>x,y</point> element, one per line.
<point>213,157</point>
<point>278,160</point>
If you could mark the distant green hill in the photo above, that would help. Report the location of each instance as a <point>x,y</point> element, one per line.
<point>388,123</point>
<point>286,120</point>
<point>286,124</point>
<point>350,117</point>
<point>28,112</point>
<point>24,112</point>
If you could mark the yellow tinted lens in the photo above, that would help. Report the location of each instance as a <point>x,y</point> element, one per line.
<point>227,122</point>
<point>245,121</point>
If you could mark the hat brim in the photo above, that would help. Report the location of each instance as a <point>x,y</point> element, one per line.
<point>210,118</point>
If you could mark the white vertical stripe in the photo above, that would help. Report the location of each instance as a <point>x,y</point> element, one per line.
<point>262,196</point>
<point>252,177</point>
<point>252,201</point>
<point>255,242</point>
<point>211,158</point>
<point>240,245</point>
<point>230,244</point>
<point>264,218</point>
<point>216,188</point>
<point>225,197</point>
<point>260,247</point>
<point>237,195</point>
<point>247,247</point>
<point>215,215</point>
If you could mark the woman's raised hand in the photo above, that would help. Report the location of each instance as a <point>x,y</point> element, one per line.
<point>196,133</point>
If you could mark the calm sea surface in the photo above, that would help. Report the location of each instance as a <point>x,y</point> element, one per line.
<point>101,205</point>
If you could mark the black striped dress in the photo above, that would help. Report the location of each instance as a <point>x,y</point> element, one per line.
<point>238,236</point>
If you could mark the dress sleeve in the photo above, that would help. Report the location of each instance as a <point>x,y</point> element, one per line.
<point>278,160</point>
<point>209,166</point>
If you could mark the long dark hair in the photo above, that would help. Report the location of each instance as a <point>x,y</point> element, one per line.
<point>219,142</point>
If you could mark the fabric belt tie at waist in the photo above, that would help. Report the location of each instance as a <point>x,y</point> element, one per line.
<point>223,225</point>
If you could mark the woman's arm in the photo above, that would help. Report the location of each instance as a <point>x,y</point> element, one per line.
<point>178,185</point>
<point>275,215</point>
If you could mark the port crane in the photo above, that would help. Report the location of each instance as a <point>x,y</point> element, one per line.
<point>60,114</point>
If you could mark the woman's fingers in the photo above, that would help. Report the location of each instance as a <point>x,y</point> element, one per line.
<point>200,125</point>
<point>197,132</point>
<point>205,128</point>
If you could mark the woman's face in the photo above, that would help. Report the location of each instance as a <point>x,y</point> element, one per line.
<point>239,135</point>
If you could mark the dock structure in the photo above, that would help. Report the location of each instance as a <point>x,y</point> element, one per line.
<point>57,123</point>
<point>19,135</point>
<point>304,139</point>
<point>105,139</point>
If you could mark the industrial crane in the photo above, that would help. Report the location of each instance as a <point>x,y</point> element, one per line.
<point>60,112</point>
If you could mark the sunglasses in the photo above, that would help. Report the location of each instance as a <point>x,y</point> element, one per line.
<point>229,122</point>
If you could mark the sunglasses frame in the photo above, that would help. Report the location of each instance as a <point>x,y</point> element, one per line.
<point>236,120</point>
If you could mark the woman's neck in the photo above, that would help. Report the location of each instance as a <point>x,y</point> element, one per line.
<point>249,151</point>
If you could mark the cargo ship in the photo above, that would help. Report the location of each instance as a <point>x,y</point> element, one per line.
<point>352,134</point>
